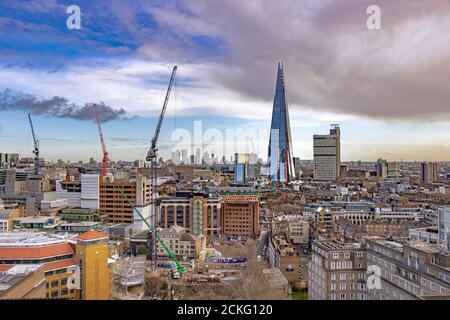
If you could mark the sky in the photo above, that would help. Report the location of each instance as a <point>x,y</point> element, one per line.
<point>387,88</point>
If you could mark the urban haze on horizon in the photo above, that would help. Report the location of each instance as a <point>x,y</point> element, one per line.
<point>386,86</point>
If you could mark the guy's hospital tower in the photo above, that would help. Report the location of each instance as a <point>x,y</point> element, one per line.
<point>281,166</point>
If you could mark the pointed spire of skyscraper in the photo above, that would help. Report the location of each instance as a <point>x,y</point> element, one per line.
<point>280,154</point>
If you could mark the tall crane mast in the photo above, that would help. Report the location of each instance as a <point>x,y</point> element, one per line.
<point>105,160</point>
<point>36,147</point>
<point>152,157</point>
<point>153,149</point>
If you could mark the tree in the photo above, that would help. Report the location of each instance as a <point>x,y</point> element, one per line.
<point>142,250</point>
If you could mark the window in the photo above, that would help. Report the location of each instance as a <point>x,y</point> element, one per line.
<point>64,291</point>
<point>335,255</point>
<point>342,276</point>
<point>333,277</point>
<point>64,282</point>
<point>54,294</point>
<point>54,284</point>
<point>346,255</point>
<point>359,254</point>
<point>432,286</point>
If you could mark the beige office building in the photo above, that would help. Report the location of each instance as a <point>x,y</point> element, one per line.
<point>327,155</point>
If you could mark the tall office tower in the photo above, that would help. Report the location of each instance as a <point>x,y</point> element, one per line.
<point>428,172</point>
<point>381,168</point>
<point>281,167</point>
<point>297,167</point>
<point>8,159</point>
<point>198,157</point>
<point>444,227</point>
<point>206,158</point>
<point>327,155</point>
<point>241,166</point>
<point>184,156</point>
<point>393,170</point>
<point>175,156</point>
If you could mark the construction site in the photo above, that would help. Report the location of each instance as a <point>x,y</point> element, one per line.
<point>212,278</point>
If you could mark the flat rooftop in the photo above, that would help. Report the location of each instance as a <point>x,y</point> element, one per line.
<point>28,239</point>
<point>40,219</point>
<point>5,213</point>
<point>80,224</point>
<point>13,275</point>
<point>335,245</point>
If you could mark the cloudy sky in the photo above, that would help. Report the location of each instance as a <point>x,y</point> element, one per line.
<point>387,88</point>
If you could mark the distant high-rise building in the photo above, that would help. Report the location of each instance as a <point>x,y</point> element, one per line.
<point>327,155</point>
<point>381,168</point>
<point>198,157</point>
<point>444,226</point>
<point>8,159</point>
<point>281,167</point>
<point>241,165</point>
<point>428,172</point>
<point>184,156</point>
<point>175,156</point>
<point>206,158</point>
<point>393,170</point>
<point>297,169</point>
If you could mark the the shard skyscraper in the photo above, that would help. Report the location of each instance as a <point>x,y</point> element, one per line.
<point>281,166</point>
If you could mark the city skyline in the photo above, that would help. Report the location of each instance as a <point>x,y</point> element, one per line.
<point>224,155</point>
<point>371,93</point>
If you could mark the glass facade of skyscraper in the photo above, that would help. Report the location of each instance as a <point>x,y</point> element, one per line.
<point>281,166</point>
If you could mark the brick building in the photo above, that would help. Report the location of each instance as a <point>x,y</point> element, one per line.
<point>240,215</point>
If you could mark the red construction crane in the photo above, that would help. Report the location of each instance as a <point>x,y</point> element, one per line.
<point>105,160</point>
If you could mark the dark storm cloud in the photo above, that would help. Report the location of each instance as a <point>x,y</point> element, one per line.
<point>57,107</point>
<point>333,61</point>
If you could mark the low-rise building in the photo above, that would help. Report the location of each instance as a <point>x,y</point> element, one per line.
<point>53,252</point>
<point>197,212</point>
<point>73,268</point>
<point>78,227</point>
<point>22,282</point>
<point>298,231</point>
<point>38,223</point>
<point>337,271</point>
<point>184,246</point>
<point>7,217</point>
<point>408,270</point>
<point>80,215</point>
